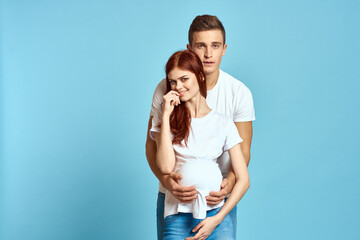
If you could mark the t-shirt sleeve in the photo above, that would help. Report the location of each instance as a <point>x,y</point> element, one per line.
<point>158,98</point>
<point>156,108</point>
<point>232,136</point>
<point>244,105</point>
<point>153,130</point>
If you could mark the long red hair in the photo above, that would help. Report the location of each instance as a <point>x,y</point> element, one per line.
<point>180,118</point>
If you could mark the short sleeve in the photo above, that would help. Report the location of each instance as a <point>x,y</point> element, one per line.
<point>244,105</point>
<point>156,108</point>
<point>157,98</point>
<point>153,130</point>
<point>232,136</point>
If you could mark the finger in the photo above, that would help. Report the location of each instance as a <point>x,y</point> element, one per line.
<point>220,193</point>
<point>174,93</point>
<point>184,189</point>
<point>185,194</point>
<point>176,101</point>
<point>224,183</point>
<point>195,229</point>
<point>186,199</point>
<point>213,200</point>
<point>169,99</point>
<point>196,237</point>
<point>173,100</point>
<point>176,176</point>
<point>213,203</point>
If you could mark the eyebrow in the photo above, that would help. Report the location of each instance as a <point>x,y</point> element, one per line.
<point>211,43</point>
<point>179,77</point>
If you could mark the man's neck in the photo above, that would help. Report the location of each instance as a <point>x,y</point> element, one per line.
<point>211,79</point>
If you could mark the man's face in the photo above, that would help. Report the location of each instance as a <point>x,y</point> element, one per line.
<point>209,46</point>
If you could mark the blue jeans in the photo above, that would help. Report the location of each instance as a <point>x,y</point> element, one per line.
<point>230,221</point>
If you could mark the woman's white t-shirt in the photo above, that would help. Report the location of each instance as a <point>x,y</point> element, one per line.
<point>209,137</point>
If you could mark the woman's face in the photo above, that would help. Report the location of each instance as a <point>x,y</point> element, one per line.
<point>185,83</point>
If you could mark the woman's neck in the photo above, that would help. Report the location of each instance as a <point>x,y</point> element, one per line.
<point>197,106</point>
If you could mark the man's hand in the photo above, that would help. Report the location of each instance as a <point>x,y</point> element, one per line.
<point>183,194</point>
<point>216,197</point>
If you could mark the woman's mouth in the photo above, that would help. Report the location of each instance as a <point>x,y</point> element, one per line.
<point>182,93</point>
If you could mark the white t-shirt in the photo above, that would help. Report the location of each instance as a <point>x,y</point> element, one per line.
<point>229,97</point>
<point>209,137</point>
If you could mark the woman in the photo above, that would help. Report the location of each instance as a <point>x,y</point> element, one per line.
<point>189,141</point>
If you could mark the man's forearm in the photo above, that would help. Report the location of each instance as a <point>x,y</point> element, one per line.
<point>231,175</point>
<point>245,148</point>
<point>245,131</point>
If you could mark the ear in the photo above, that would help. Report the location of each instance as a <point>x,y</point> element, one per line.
<point>202,78</point>
<point>224,49</point>
<point>188,47</point>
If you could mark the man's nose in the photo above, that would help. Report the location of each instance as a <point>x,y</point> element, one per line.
<point>208,52</point>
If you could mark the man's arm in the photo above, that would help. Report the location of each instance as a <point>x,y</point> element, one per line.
<point>184,194</point>
<point>245,131</point>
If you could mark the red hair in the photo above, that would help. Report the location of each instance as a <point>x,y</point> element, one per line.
<point>180,118</point>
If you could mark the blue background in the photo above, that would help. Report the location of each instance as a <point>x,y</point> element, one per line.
<point>77,79</point>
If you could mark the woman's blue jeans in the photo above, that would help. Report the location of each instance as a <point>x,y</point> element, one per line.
<point>179,226</point>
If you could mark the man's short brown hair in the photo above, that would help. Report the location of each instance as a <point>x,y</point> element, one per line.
<point>205,23</point>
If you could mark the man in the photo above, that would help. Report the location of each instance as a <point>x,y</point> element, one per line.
<point>225,95</point>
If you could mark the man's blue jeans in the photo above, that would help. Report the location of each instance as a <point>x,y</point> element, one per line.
<point>228,225</point>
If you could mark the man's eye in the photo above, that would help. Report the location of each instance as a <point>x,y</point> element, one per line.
<point>216,46</point>
<point>200,46</point>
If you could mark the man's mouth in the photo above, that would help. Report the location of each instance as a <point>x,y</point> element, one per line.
<point>208,62</point>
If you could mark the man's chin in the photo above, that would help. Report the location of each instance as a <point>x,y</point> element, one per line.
<point>210,71</point>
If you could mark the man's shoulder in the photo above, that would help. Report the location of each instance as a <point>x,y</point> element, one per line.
<point>220,117</point>
<point>162,84</point>
<point>231,82</point>
<point>161,87</point>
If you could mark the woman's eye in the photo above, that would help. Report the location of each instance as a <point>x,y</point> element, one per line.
<point>184,79</point>
<point>172,82</point>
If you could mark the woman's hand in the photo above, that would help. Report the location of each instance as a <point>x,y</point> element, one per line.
<point>205,228</point>
<point>170,100</point>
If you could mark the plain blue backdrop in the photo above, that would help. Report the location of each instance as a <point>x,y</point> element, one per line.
<point>77,79</point>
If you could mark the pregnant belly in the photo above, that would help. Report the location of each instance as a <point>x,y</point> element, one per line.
<point>205,175</point>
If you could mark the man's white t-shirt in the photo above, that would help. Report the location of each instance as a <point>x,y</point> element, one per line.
<point>229,97</point>
<point>209,137</point>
